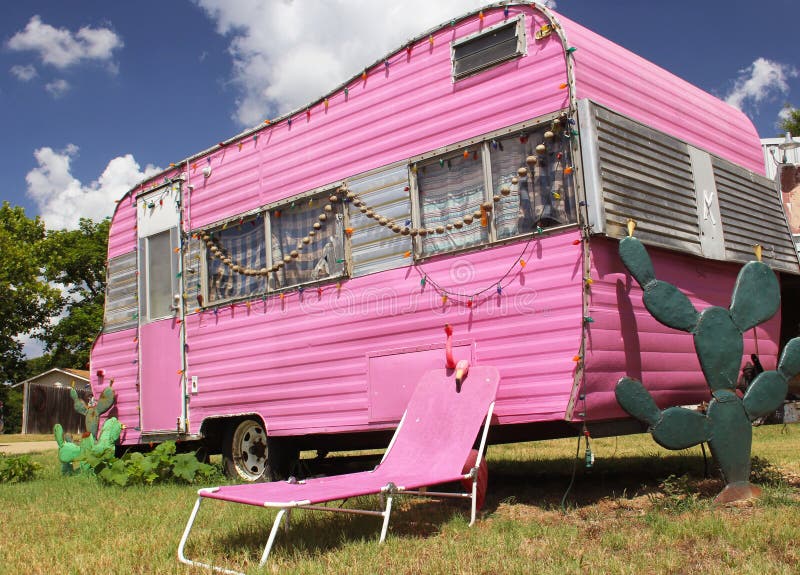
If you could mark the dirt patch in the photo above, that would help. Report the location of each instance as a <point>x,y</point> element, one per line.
<point>27,447</point>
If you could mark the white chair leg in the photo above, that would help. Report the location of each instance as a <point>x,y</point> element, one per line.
<point>474,500</point>
<point>181,557</point>
<point>386,513</point>
<point>272,535</point>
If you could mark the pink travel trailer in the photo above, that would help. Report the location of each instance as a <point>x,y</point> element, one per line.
<point>461,199</point>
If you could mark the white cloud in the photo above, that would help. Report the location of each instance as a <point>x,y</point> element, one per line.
<point>24,73</point>
<point>31,346</point>
<point>57,88</point>
<point>760,81</point>
<point>286,54</point>
<point>785,113</point>
<point>62,199</point>
<point>60,47</point>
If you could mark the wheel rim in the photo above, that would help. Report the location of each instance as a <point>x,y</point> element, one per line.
<point>249,450</point>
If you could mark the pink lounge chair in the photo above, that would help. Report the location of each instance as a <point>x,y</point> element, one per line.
<point>430,446</point>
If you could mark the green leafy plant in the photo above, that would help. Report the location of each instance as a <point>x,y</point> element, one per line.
<point>18,469</point>
<point>162,465</point>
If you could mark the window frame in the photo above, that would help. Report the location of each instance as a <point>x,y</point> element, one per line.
<point>521,50</point>
<point>266,211</point>
<point>145,310</point>
<point>484,141</point>
<point>320,195</point>
<point>205,268</point>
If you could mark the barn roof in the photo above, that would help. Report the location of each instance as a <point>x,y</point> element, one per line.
<point>80,374</point>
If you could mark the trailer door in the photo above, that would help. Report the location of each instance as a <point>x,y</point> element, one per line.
<point>161,379</point>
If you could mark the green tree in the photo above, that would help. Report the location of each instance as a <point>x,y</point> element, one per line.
<point>76,259</point>
<point>12,408</point>
<point>791,123</point>
<point>26,299</point>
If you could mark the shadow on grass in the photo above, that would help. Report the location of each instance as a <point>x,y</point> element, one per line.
<point>544,483</point>
<point>537,483</point>
<point>315,533</point>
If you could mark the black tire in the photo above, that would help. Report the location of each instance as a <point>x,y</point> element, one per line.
<point>248,454</point>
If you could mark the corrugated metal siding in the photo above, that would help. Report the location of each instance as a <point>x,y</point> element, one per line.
<point>46,405</point>
<point>614,77</point>
<point>375,247</point>
<point>122,232</point>
<point>302,361</point>
<point>192,273</point>
<point>646,176</point>
<point>633,171</point>
<point>116,354</point>
<point>626,340</point>
<point>739,193</point>
<point>409,109</point>
<point>121,304</point>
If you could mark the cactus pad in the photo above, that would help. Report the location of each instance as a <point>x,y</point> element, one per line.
<point>718,341</point>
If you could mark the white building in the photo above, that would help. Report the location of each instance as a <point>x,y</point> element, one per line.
<point>782,162</point>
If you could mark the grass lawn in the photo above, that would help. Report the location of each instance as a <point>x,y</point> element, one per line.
<point>626,515</point>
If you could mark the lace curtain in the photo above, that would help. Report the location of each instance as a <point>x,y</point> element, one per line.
<point>544,197</point>
<point>455,186</point>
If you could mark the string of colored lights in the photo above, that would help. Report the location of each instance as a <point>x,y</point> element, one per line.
<point>470,299</point>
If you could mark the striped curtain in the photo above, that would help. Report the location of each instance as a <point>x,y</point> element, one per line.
<point>322,257</point>
<point>449,189</point>
<point>246,246</point>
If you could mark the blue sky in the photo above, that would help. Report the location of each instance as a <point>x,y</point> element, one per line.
<point>96,94</point>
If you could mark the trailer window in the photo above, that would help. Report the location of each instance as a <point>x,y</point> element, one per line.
<point>236,257</point>
<point>488,48</point>
<point>539,196</point>
<point>450,188</point>
<point>159,275</point>
<point>496,189</point>
<point>307,241</point>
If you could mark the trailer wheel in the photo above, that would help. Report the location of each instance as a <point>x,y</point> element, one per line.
<point>246,452</point>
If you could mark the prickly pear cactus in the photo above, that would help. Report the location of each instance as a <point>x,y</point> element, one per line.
<point>727,424</point>
<point>93,412</point>
<point>69,451</point>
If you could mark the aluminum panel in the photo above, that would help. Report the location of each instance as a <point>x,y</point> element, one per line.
<point>115,359</point>
<point>122,232</point>
<point>121,299</point>
<point>374,247</point>
<point>646,176</point>
<point>712,238</point>
<point>398,112</point>
<point>593,185</point>
<point>752,214</point>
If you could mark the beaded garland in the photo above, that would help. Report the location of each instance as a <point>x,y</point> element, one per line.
<point>346,195</point>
